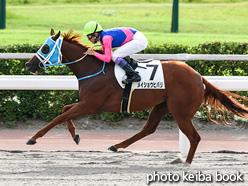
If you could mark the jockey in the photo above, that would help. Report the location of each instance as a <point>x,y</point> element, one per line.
<point>128,40</point>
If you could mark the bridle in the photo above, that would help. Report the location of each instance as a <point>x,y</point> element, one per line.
<point>54,56</point>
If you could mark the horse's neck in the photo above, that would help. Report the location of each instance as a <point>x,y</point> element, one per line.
<point>87,66</point>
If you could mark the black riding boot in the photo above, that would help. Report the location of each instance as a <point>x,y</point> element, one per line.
<point>132,76</point>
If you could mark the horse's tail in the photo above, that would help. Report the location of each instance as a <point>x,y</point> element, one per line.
<point>223,101</point>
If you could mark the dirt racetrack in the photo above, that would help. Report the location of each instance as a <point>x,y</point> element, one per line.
<point>221,158</point>
<point>123,168</point>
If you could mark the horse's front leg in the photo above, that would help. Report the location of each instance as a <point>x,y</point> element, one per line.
<point>70,125</point>
<point>75,111</point>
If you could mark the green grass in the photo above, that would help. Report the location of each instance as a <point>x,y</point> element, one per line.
<point>45,2</point>
<point>198,22</point>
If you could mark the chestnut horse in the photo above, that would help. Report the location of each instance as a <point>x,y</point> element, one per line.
<point>185,91</point>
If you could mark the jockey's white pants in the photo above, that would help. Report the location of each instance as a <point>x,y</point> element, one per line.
<point>138,44</point>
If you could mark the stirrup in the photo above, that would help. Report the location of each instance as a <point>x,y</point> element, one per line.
<point>131,80</point>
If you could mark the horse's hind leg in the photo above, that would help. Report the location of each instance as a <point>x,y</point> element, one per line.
<point>157,113</point>
<point>70,125</point>
<point>183,111</point>
<point>187,127</point>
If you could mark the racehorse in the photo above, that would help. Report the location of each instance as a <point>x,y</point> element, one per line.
<point>185,91</point>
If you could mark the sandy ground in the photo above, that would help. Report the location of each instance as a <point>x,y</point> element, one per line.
<point>82,166</point>
<point>123,168</point>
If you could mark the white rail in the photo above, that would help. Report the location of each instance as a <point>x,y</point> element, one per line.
<point>192,57</point>
<point>44,82</point>
<point>39,82</point>
<point>181,57</point>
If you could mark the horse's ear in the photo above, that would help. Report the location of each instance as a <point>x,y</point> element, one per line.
<point>56,36</point>
<point>52,32</point>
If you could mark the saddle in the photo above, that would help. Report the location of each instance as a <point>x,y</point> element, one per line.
<point>127,94</point>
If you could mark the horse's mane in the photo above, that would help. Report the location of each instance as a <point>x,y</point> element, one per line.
<point>75,38</point>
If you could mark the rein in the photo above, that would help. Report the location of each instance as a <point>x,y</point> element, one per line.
<point>60,64</point>
<point>54,58</point>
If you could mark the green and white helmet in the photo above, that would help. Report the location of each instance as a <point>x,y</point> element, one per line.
<point>92,27</point>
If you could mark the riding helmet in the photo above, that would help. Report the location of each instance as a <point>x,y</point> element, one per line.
<point>92,27</point>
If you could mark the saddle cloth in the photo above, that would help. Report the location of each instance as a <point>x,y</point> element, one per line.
<point>152,76</point>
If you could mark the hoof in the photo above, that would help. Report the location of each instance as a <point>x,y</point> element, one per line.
<point>31,142</point>
<point>77,139</point>
<point>112,148</point>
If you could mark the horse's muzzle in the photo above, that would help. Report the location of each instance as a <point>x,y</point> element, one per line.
<point>33,65</point>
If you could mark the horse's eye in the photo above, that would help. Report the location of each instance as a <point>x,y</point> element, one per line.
<point>45,49</point>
